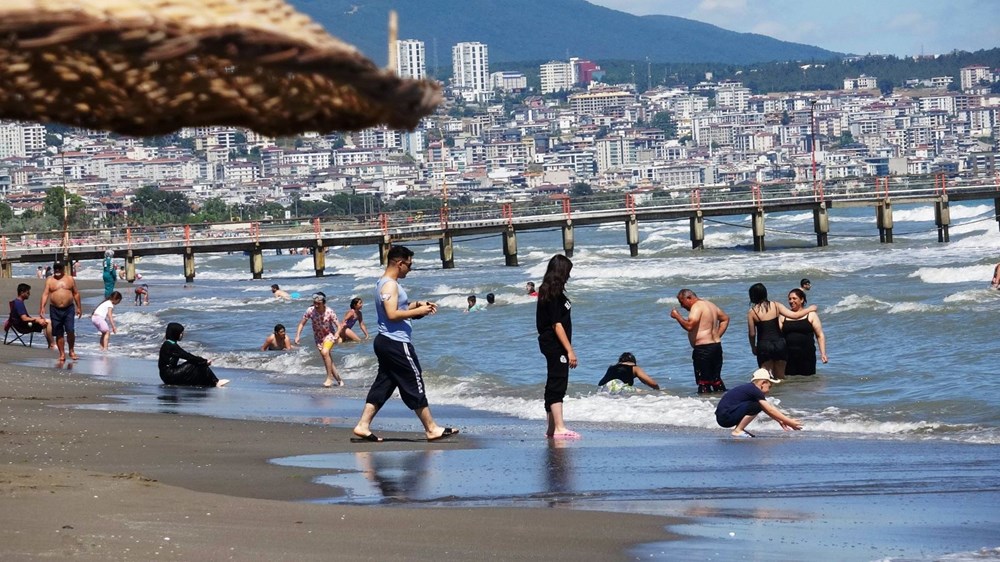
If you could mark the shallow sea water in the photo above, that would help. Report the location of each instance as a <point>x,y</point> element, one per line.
<point>901,425</point>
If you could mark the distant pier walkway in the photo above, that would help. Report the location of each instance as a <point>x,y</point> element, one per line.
<point>507,219</point>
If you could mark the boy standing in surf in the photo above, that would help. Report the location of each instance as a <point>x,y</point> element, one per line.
<point>398,366</point>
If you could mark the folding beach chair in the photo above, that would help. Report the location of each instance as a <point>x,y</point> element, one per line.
<point>11,334</point>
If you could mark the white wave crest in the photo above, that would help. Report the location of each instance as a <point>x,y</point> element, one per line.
<point>943,275</point>
<point>855,302</point>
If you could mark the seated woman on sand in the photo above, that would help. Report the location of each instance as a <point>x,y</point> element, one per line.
<point>195,371</point>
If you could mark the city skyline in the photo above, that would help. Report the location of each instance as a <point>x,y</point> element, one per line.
<point>896,27</point>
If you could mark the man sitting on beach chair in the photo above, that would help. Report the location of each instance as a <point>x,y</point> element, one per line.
<point>20,323</point>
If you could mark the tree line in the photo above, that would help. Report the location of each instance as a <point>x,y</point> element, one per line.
<point>780,76</point>
<point>151,206</point>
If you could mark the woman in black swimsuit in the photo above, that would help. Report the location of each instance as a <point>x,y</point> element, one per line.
<point>799,335</point>
<point>766,341</point>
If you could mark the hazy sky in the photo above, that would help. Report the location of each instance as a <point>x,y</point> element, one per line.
<point>898,27</point>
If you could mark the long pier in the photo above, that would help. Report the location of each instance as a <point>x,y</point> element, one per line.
<point>507,219</point>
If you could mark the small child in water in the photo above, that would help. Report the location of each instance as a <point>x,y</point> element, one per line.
<point>103,318</point>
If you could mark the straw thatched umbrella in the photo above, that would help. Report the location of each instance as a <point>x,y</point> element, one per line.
<point>148,67</point>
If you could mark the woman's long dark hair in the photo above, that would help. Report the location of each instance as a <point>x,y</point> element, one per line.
<point>556,275</point>
<point>758,296</point>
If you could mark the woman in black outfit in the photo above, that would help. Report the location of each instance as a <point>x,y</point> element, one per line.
<point>555,337</point>
<point>195,371</point>
<point>799,336</point>
<point>766,341</point>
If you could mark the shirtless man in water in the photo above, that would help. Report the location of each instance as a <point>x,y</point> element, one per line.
<point>705,325</point>
<point>65,307</point>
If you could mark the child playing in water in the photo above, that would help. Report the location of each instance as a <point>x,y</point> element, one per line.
<point>104,318</point>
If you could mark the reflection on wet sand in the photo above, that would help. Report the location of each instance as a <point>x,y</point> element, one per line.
<point>170,398</point>
<point>558,472</point>
<point>399,476</point>
<point>749,513</point>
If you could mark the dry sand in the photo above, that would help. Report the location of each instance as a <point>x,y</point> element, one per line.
<point>110,485</point>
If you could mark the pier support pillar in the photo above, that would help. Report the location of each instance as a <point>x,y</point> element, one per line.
<point>632,235</point>
<point>757,220</point>
<point>447,251</point>
<point>383,250</point>
<point>698,231</point>
<point>942,218</point>
<point>188,265</point>
<point>567,231</point>
<point>6,269</point>
<point>883,216</point>
<point>257,261</point>
<point>319,259</point>
<point>821,225</point>
<point>130,267</point>
<point>510,247</point>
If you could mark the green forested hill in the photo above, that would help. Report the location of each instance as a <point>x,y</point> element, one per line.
<point>531,30</point>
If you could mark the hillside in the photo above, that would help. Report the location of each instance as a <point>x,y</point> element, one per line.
<point>530,30</point>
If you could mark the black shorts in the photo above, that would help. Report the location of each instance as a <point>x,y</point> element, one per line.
<point>398,368</point>
<point>707,359</point>
<point>771,350</point>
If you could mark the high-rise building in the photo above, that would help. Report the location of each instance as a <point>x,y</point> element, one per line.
<point>471,66</point>
<point>21,139</point>
<point>11,140</point>
<point>411,60</point>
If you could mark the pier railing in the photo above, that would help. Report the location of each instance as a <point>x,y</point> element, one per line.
<point>520,215</point>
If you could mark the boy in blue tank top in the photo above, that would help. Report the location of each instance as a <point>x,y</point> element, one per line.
<point>398,367</point>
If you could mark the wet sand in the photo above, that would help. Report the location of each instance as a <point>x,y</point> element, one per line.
<point>112,485</point>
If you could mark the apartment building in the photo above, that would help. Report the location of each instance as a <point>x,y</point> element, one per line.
<point>241,171</point>
<point>21,139</point>
<point>471,71</point>
<point>732,96</point>
<point>312,160</point>
<point>596,102</point>
<point>972,76</point>
<point>556,76</point>
<point>861,83</point>
<point>508,81</point>
<point>411,59</point>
